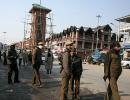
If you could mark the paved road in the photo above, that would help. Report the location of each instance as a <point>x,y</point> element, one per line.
<point>92,85</point>
<point>92,79</point>
<point>25,91</point>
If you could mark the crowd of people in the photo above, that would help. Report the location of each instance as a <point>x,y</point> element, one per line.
<point>71,68</point>
<point>24,57</point>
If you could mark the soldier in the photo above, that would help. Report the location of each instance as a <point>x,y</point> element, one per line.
<point>37,61</point>
<point>76,64</point>
<point>112,71</point>
<point>65,70</point>
<point>12,56</point>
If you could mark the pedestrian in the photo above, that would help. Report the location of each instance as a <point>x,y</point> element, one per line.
<point>49,61</point>
<point>65,70</point>
<point>37,61</point>
<point>12,57</point>
<point>25,58</point>
<point>20,57</point>
<point>5,58</point>
<point>76,64</point>
<point>112,71</point>
<point>30,57</point>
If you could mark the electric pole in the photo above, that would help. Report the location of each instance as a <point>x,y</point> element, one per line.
<point>51,25</point>
<point>98,17</point>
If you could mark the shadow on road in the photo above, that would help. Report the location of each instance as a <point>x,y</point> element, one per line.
<point>19,91</point>
<point>98,96</point>
<point>88,95</point>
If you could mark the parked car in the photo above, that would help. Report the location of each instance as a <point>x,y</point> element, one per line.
<point>125,63</point>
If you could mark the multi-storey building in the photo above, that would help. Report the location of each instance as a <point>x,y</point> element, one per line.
<point>124,29</point>
<point>84,38</point>
<point>124,32</point>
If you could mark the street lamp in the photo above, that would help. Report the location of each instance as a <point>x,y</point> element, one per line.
<point>98,17</point>
<point>117,31</point>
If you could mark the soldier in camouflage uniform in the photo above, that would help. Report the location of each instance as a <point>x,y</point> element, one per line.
<point>112,71</point>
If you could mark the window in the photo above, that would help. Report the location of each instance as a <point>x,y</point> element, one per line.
<point>87,45</point>
<point>105,37</point>
<point>79,44</point>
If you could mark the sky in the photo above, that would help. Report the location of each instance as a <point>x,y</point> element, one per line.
<point>66,13</point>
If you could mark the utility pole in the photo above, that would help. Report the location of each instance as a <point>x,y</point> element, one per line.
<point>40,2</point>
<point>24,36</point>
<point>25,22</point>
<point>116,30</point>
<point>98,17</point>
<point>51,25</point>
<point>4,39</point>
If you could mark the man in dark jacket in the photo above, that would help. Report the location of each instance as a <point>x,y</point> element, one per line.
<point>112,71</point>
<point>37,61</point>
<point>65,71</point>
<point>12,56</point>
<point>76,65</point>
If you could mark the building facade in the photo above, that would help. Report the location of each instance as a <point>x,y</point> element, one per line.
<point>84,39</point>
<point>124,29</point>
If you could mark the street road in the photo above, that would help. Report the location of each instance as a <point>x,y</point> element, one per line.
<point>92,84</point>
<point>92,79</point>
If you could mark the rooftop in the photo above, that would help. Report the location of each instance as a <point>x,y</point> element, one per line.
<point>124,19</point>
<point>37,7</point>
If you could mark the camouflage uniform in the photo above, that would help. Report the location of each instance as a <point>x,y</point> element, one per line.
<point>112,71</point>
